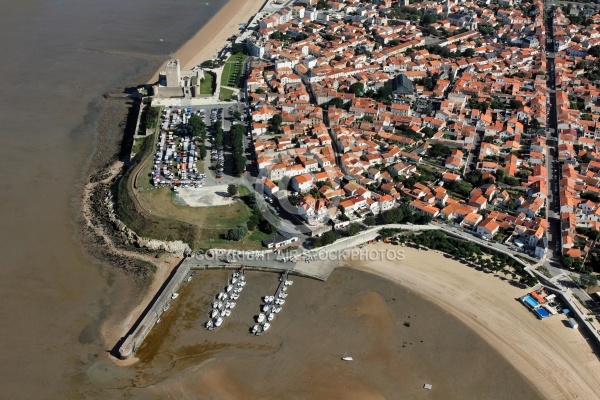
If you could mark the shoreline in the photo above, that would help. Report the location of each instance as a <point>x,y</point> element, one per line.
<point>218,29</point>
<point>211,38</point>
<point>555,359</point>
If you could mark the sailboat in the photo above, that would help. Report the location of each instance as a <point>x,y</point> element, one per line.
<point>347,357</point>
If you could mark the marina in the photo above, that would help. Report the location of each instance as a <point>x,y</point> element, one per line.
<point>225,301</point>
<point>272,306</point>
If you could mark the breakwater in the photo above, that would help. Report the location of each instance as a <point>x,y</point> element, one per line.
<point>128,345</point>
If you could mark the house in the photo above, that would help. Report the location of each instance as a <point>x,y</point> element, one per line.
<point>302,183</point>
<point>269,188</point>
<point>424,208</point>
<point>454,160</point>
<point>488,227</point>
<point>531,207</point>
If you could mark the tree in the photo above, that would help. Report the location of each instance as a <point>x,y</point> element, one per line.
<point>336,102</point>
<point>353,229</point>
<point>370,220</point>
<point>588,280</point>
<point>468,53</point>
<point>232,190</point>
<point>237,233</point>
<point>202,151</point>
<point>594,51</point>
<point>439,150</point>
<point>358,89</point>
<point>429,18</point>
<point>237,115</point>
<point>237,48</point>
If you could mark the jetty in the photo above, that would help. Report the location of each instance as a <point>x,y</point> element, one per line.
<point>272,306</point>
<point>224,301</point>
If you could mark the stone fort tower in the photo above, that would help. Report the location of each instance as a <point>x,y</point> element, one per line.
<point>173,74</point>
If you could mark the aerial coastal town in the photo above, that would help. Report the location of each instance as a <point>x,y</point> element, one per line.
<point>481,117</point>
<point>468,128</point>
<point>478,113</point>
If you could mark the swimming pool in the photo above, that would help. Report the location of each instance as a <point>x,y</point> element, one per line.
<point>530,301</point>
<point>542,312</point>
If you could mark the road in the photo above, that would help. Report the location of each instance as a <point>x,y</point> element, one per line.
<point>552,164</point>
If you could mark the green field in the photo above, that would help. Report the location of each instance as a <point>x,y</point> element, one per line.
<point>206,84</point>
<point>232,70</point>
<point>225,94</point>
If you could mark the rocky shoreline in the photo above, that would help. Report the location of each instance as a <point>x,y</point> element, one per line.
<point>102,235</point>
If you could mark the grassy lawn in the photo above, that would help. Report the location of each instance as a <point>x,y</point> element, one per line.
<point>225,94</point>
<point>137,145</point>
<point>162,202</point>
<point>206,84</point>
<point>232,70</point>
<point>210,222</point>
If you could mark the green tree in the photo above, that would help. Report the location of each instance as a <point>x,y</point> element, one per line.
<point>232,190</point>
<point>439,150</point>
<point>237,233</point>
<point>336,102</point>
<point>588,280</point>
<point>358,89</point>
<point>202,151</point>
<point>370,220</point>
<point>353,229</point>
<point>237,115</point>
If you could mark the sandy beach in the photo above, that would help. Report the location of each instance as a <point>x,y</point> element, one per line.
<point>205,44</point>
<point>398,340</point>
<point>556,359</point>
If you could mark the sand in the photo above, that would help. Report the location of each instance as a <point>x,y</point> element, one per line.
<point>300,356</point>
<point>556,359</point>
<point>205,44</point>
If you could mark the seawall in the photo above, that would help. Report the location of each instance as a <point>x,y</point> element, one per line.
<point>151,314</point>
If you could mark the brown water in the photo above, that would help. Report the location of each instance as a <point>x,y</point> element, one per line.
<point>58,57</point>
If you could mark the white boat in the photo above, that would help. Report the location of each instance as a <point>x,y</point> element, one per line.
<point>279,301</point>
<point>231,304</point>
<point>209,324</point>
<point>166,307</point>
<point>218,321</point>
<point>261,318</point>
<point>157,321</point>
<point>347,357</point>
<point>215,304</point>
<point>270,317</point>
<point>284,288</point>
<point>236,274</point>
<point>235,296</point>
<point>220,296</point>
<point>288,283</point>
<point>277,308</point>
<point>227,313</point>
<point>229,287</point>
<point>214,313</point>
<point>220,304</point>
<point>283,295</point>
<point>189,278</point>
<point>255,329</point>
<point>174,296</point>
<point>233,280</point>
<point>223,314</point>
<point>242,283</point>
<point>266,326</point>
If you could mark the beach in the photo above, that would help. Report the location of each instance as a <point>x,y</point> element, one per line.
<point>556,359</point>
<point>211,38</point>
<point>398,340</point>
